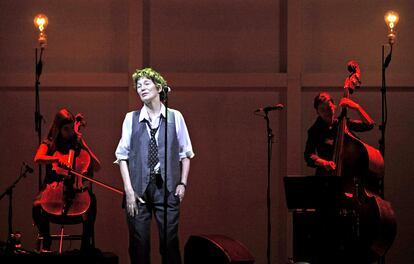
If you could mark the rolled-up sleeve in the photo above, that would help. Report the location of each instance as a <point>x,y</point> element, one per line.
<point>122,151</point>
<point>186,149</point>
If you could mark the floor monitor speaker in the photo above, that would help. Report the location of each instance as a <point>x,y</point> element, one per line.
<point>215,249</point>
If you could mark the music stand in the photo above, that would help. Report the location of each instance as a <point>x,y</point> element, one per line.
<point>313,192</point>
<point>314,202</point>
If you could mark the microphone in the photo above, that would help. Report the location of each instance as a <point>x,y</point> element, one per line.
<point>27,168</point>
<point>167,89</point>
<point>270,108</point>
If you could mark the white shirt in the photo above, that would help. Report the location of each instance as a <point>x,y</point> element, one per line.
<point>186,149</point>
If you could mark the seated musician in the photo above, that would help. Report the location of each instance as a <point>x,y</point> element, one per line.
<point>54,152</point>
<point>322,134</point>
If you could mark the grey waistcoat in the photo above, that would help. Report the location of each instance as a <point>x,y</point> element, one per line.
<point>138,154</point>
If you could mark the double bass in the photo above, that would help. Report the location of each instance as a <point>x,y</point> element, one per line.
<point>361,168</point>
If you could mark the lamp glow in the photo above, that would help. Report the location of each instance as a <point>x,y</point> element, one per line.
<point>41,21</point>
<point>391,19</point>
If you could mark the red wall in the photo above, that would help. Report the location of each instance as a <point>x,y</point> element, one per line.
<point>223,59</point>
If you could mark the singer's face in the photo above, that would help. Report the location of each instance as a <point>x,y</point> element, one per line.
<point>67,131</point>
<point>326,111</point>
<point>147,90</point>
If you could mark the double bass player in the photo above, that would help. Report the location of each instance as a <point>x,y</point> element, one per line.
<point>333,239</point>
<point>320,143</point>
<point>362,227</point>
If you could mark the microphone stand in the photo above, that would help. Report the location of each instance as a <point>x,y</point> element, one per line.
<point>270,136</point>
<point>165,244</point>
<point>384,111</point>
<point>268,198</point>
<point>38,115</point>
<point>11,239</point>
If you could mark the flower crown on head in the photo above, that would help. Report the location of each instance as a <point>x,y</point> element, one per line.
<point>150,74</point>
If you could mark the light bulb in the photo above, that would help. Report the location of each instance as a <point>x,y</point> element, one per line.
<point>391,19</point>
<point>41,21</point>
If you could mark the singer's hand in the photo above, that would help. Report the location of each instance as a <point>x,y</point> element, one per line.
<point>132,200</point>
<point>180,192</point>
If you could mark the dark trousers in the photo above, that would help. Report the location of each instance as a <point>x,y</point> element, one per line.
<point>140,226</point>
<point>42,221</point>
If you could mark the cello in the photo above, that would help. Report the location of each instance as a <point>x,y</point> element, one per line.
<point>361,167</point>
<point>69,197</point>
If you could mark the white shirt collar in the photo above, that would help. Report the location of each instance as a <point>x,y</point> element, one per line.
<point>143,115</point>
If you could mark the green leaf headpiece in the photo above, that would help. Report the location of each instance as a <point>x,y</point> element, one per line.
<point>150,74</point>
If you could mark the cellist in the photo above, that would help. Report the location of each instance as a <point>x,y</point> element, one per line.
<point>53,152</point>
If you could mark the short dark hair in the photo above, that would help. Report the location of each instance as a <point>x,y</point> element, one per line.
<point>322,98</point>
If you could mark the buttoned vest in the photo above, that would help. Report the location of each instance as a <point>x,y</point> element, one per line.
<point>138,154</point>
